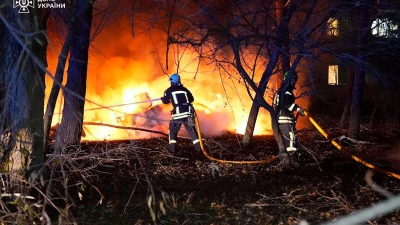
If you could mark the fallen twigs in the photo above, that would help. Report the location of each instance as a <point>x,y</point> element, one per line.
<point>343,138</point>
<point>379,209</point>
<point>353,141</point>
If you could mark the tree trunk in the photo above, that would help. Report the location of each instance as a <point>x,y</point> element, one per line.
<point>359,79</point>
<point>70,129</point>
<point>282,32</point>
<point>23,64</point>
<point>251,123</point>
<point>354,127</point>
<point>285,58</point>
<point>58,79</point>
<point>255,106</point>
<point>347,106</point>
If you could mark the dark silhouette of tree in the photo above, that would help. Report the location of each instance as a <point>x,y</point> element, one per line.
<point>359,78</point>
<point>243,37</point>
<point>363,53</point>
<point>70,129</point>
<point>72,29</point>
<point>281,53</point>
<point>240,37</point>
<point>22,68</point>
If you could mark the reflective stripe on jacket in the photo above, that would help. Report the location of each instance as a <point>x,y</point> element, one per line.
<point>181,99</point>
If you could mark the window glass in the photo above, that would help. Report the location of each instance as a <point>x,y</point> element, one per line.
<point>333,74</point>
<point>333,27</point>
<point>384,27</point>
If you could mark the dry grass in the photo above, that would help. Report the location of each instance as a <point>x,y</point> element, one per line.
<point>139,182</point>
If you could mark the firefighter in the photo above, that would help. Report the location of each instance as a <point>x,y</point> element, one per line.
<point>182,113</point>
<point>285,108</point>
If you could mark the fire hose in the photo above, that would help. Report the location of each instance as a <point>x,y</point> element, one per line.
<point>198,131</point>
<point>357,159</point>
<point>132,103</point>
<point>337,145</point>
<point>223,160</point>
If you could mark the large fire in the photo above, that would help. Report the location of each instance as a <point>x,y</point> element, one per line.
<point>123,69</point>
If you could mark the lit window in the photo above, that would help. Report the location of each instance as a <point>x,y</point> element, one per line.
<point>333,27</point>
<point>384,27</point>
<point>333,75</point>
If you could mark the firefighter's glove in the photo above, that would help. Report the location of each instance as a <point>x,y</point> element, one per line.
<point>301,112</point>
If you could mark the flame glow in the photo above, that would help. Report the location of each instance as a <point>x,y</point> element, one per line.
<point>124,67</point>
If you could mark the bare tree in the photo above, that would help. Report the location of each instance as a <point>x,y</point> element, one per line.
<point>280,52</point>
<point>359,78</point>
<point>363,52</point>
<point>72,29</point>
<point>242,38</point>
<point>23,62</point>
<point>70,130</point>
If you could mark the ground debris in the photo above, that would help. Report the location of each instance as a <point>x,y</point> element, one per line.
<point>195,190</point>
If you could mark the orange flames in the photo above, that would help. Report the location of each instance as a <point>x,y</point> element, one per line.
<point>122,67</point>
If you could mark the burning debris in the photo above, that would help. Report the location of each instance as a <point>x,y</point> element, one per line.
<point>146,115</point>
<point>149,116</point>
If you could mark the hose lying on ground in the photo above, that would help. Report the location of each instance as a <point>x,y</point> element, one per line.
<point>337,145</point>
<point>223,160</point>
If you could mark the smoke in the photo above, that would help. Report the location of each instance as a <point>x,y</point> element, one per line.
<point>123,65</point>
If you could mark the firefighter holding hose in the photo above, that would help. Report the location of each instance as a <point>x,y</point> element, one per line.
<point>285,108</point>
<point>182,112</point>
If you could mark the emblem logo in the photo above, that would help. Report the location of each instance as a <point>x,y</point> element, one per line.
<point>23,5</point>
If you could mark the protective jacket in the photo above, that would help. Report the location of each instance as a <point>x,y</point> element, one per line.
<point>182,113</point>
<point>181,99</point>
<point>286,105</point>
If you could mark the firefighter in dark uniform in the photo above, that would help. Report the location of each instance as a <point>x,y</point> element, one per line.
<point>285,108</point>
<point>182,113</point>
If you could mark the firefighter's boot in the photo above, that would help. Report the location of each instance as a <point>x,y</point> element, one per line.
<point>294,157</point>
<point>284,159</point>
<point>197,147</point>
<point>171,147</point>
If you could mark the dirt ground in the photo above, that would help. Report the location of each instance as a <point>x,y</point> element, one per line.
<point>188,188</point>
